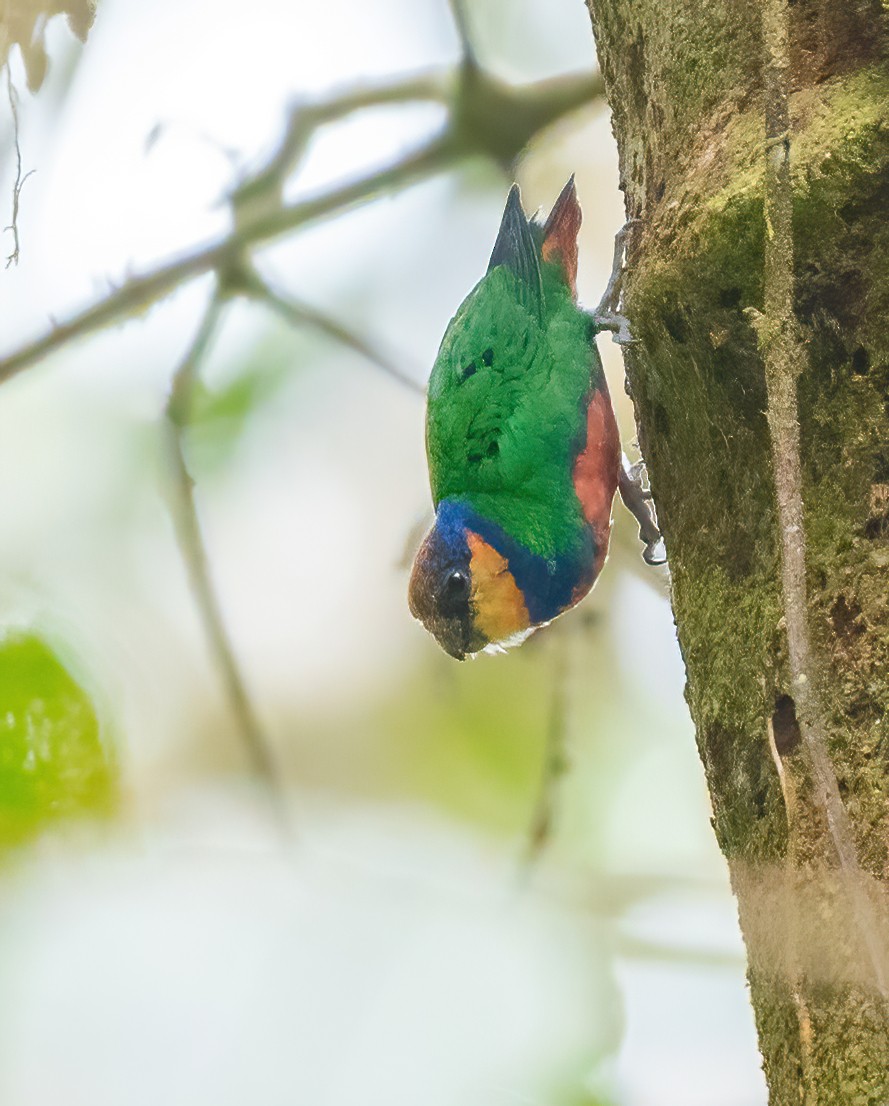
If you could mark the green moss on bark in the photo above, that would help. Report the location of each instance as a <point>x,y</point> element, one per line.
<point>698,383</point>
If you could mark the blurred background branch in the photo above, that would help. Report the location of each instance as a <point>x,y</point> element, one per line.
<point>246,281</point>
<point>194,554</point>
<point>251,284</point>
<point>485,117</point>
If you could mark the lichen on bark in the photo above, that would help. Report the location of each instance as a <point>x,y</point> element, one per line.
<point>684,81</point>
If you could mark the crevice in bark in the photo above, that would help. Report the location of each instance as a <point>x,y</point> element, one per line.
<point>784,355</point>
<point>785,726</point>
<point>784,736</point>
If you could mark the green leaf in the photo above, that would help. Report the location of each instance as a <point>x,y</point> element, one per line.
<point>53,763</point>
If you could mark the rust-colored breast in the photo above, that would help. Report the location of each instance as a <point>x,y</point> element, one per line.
<point>596,469</point>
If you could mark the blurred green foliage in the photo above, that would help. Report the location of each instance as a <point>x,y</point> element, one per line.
<point>472,739</point>
<point>53,762</point>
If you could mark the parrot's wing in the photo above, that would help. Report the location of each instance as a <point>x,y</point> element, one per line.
<point>516,250</point>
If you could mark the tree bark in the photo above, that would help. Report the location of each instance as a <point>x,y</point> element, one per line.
<point>788,667</point>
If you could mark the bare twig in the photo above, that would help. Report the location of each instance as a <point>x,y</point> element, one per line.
<point>305,118</point>
<point>302,314</point>
<point>555,761</point>
<point>139,293</point>
<point>784,354</point>
<point>18,183</point>
<point>194,554</point>
<point>486,118</point>
<point>639,948</point>
<point>461,22</point>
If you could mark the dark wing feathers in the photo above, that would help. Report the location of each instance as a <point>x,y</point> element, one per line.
<point>516,250</point>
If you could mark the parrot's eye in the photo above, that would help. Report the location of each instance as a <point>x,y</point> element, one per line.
<point>488,357</point>
<point>468,370</point>
<point>454,593</point>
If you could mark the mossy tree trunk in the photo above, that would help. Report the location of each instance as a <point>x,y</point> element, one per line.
<point>685,80</point>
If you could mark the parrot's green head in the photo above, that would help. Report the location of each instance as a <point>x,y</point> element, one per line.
<point>505,416</point>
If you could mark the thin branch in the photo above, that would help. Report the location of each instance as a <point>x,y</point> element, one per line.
<point>305,118</point>
<point>639,948</point>
<point>301,314</point>
<point>179,403</point>
<point>555,759</point>
<point>461,22</point>
<point>139,293</point>
<point>19,182</point>
<point>496,120</point>
<point>784,354</point>
<point>194,554</point>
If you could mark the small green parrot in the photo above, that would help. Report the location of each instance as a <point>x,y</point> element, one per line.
<point>524,451</point>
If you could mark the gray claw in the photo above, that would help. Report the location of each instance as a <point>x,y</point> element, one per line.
<point>655,553</point>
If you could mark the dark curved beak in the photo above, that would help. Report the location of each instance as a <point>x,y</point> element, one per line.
<point>453,650</point>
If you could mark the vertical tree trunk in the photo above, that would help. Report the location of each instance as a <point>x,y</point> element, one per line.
<point>808,855</point>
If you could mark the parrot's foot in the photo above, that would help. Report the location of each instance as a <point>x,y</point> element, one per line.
<point>637,499</point>
<point>607,315</point>
<point>619,325</point>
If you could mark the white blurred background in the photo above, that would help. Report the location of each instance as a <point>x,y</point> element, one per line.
<point>399,950</point>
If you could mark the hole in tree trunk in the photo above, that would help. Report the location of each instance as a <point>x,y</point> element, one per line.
<point>860,361</point>
<point>785,725</point>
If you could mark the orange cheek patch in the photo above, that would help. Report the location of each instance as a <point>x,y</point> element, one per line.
<point>499,604</point>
